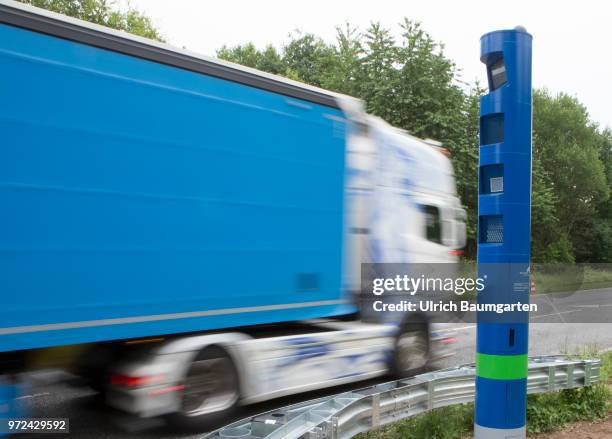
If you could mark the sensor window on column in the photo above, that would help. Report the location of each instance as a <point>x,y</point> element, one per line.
<point>492,179</point>
<point>497,74</point>
<point>491,229</point>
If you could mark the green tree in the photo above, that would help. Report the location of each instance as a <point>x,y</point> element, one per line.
<point>549,243</point>
<point>308,58</point>
<point>247,55</point>
<point>570,155</point>
<point>465,161</point>
<point>593,240</point>
<point>104,13</point>
<point>379,78</point>
<point>344,72</point>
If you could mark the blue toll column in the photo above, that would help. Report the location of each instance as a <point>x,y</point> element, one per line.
<point>504,217</point>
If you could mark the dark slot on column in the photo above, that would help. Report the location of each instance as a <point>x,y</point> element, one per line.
<point>492,128</point>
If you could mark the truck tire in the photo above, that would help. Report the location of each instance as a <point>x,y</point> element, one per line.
<point>211,391</point>
<point>412,349</point>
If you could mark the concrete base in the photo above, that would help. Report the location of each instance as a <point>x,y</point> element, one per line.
<point>498,433</point>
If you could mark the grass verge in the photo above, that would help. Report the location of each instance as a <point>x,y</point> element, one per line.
<point>545,412</point>
<point>552,279</point>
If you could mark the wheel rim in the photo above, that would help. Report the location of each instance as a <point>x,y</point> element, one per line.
<point>412,350</point>
<point>209,387</point>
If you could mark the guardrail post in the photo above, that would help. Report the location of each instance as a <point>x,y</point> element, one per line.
<point>587,373</point>
<point>551,378</point>
<point>334,428</point>
<point>430,394</point>
<point>504,216</point>
<point>375,410</point>
<point>570,376</point>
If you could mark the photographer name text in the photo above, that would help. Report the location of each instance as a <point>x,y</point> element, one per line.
<point>463,306</point>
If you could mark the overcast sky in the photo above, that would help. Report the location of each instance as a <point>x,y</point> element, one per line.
<point>572,40</point>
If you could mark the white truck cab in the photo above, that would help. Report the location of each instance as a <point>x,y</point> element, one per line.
<point>401,207</point>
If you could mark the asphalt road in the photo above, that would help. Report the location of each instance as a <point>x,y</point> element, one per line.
<point>557,328</point>
<point>591,306</point>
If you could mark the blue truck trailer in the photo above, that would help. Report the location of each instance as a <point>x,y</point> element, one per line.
<point>152,192</point>
<point>141,196</point>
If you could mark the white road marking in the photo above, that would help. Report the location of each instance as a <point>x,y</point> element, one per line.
<point>584,306</point>
<point>591,306</point>
<point>33,396</point>
<point>556,314</point>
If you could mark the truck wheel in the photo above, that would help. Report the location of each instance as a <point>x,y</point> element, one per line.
<point>411,354</point>
<point>211,391</point>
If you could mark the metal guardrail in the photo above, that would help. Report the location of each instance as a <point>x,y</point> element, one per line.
<point>347,414</point>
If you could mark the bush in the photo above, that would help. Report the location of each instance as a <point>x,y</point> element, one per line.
<point>606,368</point>
<point>453,422</point>
<point>551,411</point>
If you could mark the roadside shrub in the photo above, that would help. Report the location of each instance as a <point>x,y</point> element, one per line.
<point>453,422</point>
<point>551,411</point>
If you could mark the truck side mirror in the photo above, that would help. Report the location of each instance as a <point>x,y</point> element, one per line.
<point>457,230</point>
<point>460,234</point>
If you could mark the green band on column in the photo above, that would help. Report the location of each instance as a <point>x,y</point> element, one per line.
<point>501,367</point>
